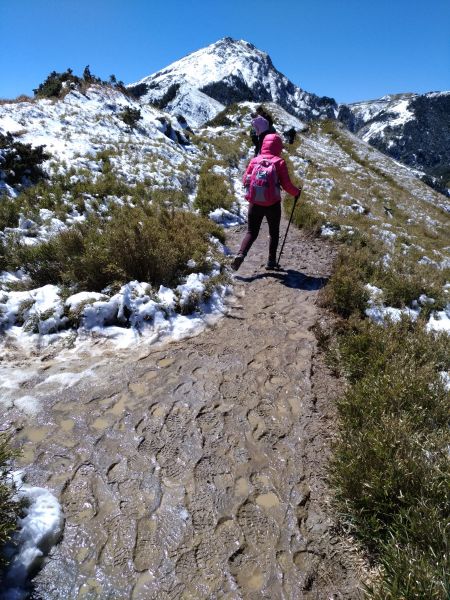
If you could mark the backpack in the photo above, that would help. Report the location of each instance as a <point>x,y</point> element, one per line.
<point>262,184</point>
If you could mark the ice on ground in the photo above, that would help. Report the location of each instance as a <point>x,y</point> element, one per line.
<point>38,531</point>
<point>66,379</point>
<point>41,306</point>
<point>381,314</point>
<point>375,293</point>
<point>75,300</point>
<point>329,230</point>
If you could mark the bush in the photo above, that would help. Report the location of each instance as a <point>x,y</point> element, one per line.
<point>130,116</point>
<point>405,280</point>
<point>414,568</point>
<point>306,216</point>
<point>221,119</point>
<point>53,84</point>
<point>390,466</point>
<point>213,190</point>
<point>57,84</point>
<point>79,190</point>
<point>146,243</point>
<point>10,209</point>
<point>345,292</point>
<point>20,163</point>
<point>9,509</point>
<point>3,256</point>
<point>402,281</point>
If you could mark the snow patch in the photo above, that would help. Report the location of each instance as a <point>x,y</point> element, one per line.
<point>440,321</point>
<point>38,531</point>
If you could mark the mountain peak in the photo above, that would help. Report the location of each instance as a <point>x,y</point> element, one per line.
<point>202,83</point>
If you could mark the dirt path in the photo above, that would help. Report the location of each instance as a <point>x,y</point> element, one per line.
<point>196,471</point>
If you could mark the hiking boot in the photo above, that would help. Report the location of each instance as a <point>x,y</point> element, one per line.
<point>237,261</point>
<point>271,264</point>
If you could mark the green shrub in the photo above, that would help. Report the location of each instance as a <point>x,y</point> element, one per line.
<point>9,509</point>
<point>57,84</point>
<point>405,280</point>
<point>414,568</point>
<point>402,281</point>
<point>213,190</point>
<point>390,467</point>
<point>306,216</point>
<point>3,256</point>
<point>10,210</point>
<point>345,292</point>
<point>167,197</point>
<point>146,243</point>
<point>221,119</point>
<point>53,84</point>
<point>230,150</point>
<point>130,116</point>
<point>20,163</point>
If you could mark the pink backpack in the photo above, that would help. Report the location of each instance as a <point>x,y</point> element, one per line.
<point>262,184</point>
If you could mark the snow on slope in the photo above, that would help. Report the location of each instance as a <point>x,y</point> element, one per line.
<point>225,72</point>
<point>366,111</point>
<point>75,128</point>
<point>412,128</point>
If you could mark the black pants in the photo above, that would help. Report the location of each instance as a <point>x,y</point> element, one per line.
<point>256,214</point>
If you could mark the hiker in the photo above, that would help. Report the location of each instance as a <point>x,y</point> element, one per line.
<point>262,179</point>
<point>262,125</point>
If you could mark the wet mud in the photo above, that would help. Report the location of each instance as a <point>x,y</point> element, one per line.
<point>195,470</point>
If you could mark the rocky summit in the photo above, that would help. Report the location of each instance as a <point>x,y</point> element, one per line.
<point>203,83</point>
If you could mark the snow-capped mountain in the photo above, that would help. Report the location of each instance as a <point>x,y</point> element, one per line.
<point>201,84</point>
<point>411,128</point>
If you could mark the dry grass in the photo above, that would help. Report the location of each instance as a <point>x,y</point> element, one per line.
<point>390,470</point>
<point>147,243</point>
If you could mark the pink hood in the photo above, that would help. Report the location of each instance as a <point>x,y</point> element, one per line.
<point>272,144</point>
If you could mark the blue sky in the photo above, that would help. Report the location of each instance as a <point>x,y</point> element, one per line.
<point>351,50</point>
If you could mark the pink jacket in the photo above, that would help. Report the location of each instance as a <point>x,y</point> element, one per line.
<point>272,147</point>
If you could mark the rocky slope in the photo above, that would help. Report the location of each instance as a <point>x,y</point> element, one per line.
<point>411,128</point>
<point>201,84</point>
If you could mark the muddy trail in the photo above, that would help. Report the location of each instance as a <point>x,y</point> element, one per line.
<point>196,470</point>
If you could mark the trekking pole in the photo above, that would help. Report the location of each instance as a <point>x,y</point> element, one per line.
<point>287,228</point>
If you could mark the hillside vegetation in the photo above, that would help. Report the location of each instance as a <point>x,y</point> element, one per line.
<point>390,470</point>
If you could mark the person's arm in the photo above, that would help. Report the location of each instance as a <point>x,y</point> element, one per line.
<point>285,180</point>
